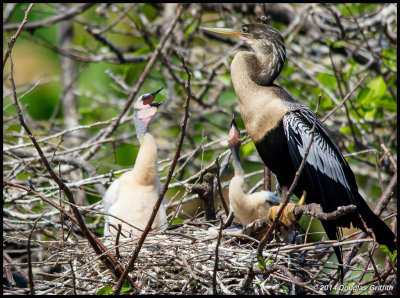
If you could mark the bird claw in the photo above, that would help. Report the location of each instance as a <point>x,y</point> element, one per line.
<point>288,217</point>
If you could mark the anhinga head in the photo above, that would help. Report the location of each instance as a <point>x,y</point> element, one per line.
<point>266,42</point>
<point>234,140</point>
<point>145,109</point>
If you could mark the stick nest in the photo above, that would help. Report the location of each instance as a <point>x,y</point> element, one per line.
<point>182,262</point>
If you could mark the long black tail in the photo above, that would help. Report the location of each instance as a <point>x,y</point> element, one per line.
<point>382,232</point>
<point>332,233</point>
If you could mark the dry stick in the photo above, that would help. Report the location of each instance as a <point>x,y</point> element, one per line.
<point>30,274</point>
<point>220,188</point>
<point>110,129</point>
<point>8,259</point>
<point>7,272</point>
<point>61,213</point>
<point>267,178</point>
<point>344,99</point>
<point>264,240</point>
<point>390,156</point>
<point>15,36</point>
<point>107,43</point>
<point>73,277</point>
<point>96,244</point>
<point>378,171</point>
<point>50,21</point>
<point>214,281</point>
<point>117,241</point>
<point>135,254</point>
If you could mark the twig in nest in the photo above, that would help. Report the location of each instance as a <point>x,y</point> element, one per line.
<point>73,277</point>
<point>117,241</point>
<point>30,274</point>
<point>216,259</point>
<point>205,192</point>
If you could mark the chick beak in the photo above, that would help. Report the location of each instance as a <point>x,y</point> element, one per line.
<point>234,134</point>
<point>148,98</point>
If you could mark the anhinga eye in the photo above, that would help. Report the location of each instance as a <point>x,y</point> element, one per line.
<point>245,29</point>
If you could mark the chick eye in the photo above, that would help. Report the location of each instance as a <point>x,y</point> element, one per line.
<point>245,29</point>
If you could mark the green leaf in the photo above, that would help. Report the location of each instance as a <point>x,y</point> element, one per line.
<point>105,290</point>
<point>378,87</point>
<point>126,286</point>
<point>271,261</point>
<point>176,221</point>
<point>149,11</point>
<point>329,81</point>
<point>190,29</point>
<point>261,263</point>
<point>394,256</point>
<point>142,51</point>
<point>246,149</point>
<point>385,249</point>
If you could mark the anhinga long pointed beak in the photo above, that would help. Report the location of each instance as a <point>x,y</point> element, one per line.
<point>223,30</point>
<point>227,31</point>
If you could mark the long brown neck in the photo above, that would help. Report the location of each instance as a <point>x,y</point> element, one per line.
<point>261,103</point>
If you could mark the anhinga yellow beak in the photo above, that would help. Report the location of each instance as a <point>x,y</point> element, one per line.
<point>228,31</point>
<point>223,30</point>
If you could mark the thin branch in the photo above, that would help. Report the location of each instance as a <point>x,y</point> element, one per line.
<point>15,36</point>
<point>390,156</point>
<point>221,196</point>
<point>73,277</point>
<point>30,274</point>
<point>117,241</point>
<point>344,99</point>
<point>267,178</point>
<point>214,280</point>
<point>50,21</point>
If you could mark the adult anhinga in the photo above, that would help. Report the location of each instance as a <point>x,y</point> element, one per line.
<point>281,131</point>
<point>132,196</point>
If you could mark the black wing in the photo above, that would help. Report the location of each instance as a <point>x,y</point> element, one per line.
<point>326,177</point>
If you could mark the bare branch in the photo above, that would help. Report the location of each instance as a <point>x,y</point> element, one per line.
<point>15,36</point>
<point>50,21</point>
